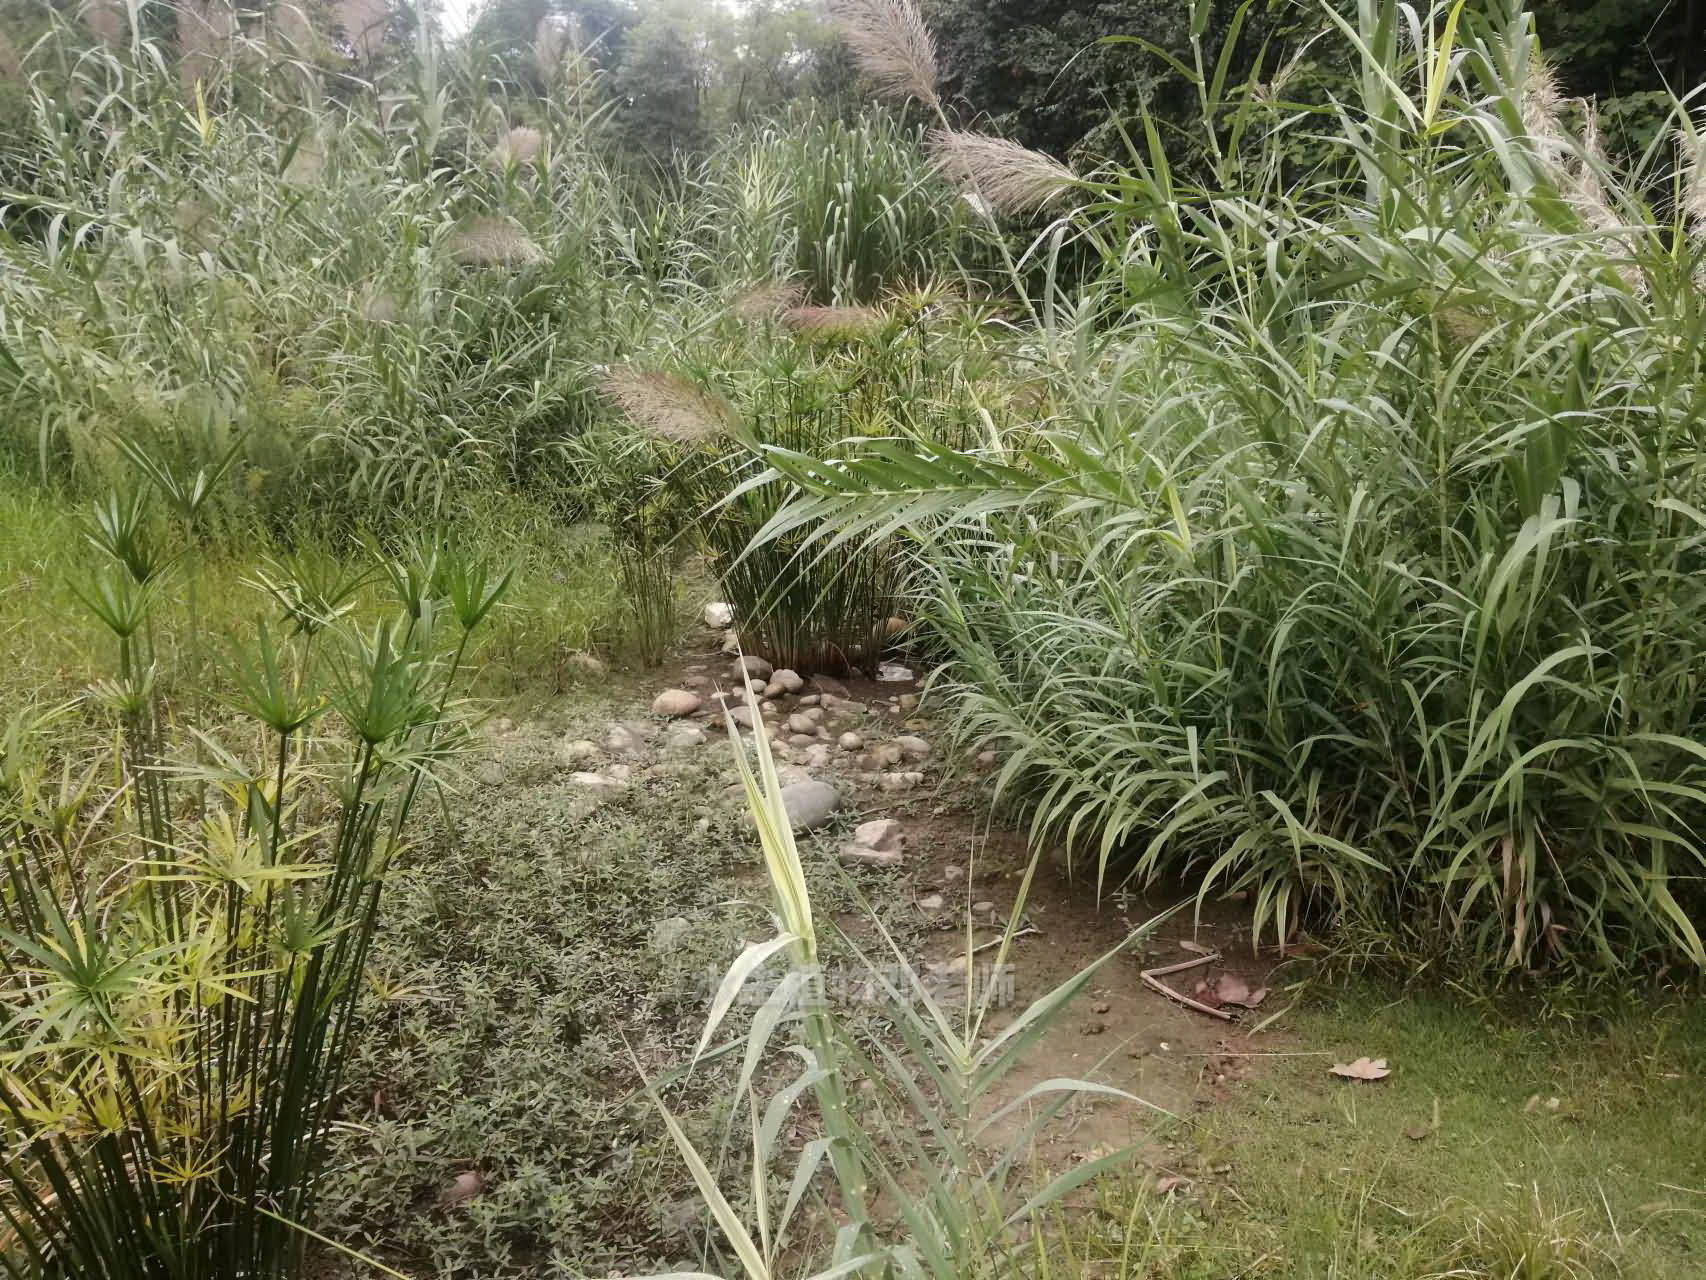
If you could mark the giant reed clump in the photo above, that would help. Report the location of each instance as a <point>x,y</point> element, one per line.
<point>1357,571</point>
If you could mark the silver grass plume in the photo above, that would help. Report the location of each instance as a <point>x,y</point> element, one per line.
<point>205,29</point>
<point>1582,186</point>
<point>1692,144</point>
<point>891,44</point>
<point>494,241</point>
<point>833,322</point>
<point>550,45</point>
<point>665,404</point>
<point>521,145</point>
<point>106,21</point>
<point>1005,176</point>
<point>766,300</point>
<point>1543,108</point>
<point>363,23</point>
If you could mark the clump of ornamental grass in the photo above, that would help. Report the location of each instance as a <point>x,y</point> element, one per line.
<point>905,1125</point>
<point>635,479</point>
<point>1303,595</point>
<point>843,209</point>
<point>796,609</point>
<point>185,939</point>
<point>345,421</point>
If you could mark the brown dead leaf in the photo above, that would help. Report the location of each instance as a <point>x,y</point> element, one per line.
<point>1417,1132</point>
<point>1362,1069</point>
<point>1170,1184</point>
<point>1229,988</point>
<point>1195,948</point>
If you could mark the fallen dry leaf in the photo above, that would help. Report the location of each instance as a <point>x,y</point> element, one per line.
<point>1416,1132</point>
<point>1195,948</point>
<point>1169,1184</point>
<point>1229,988</point>
<point>1362,1069</point>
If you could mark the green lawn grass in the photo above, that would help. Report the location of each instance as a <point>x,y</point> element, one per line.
<point>1502,1145</point>
<point>565,603</point>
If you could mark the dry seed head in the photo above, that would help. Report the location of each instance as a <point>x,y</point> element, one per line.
<point>1543,107</point>
<point>550,45</point>
<point>1004,175</point>
<point>494,241</point>
<point>295,28</point>
<point>891,44</point>
<point>1693,164</point>
<point>665,404</point>
<point>833,322</point>
<point>363,23</point>
<point>381,306</point>
<point>521,145</point>
<point>766,300</point>
<point>105,20</point>
<point>205,28</point>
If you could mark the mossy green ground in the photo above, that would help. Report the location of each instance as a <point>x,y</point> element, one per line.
<point>1503,1144</point>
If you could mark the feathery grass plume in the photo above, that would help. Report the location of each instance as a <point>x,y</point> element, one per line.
<point>833,322</point>
<point>1008,177</point>
<point>665,404</point>
<point>380,305</point>
<point>891,44</point>
<point>1543,108</point>
<point>550,47</point>
<point>105,20</point>
<point>1693,169</point>
<point>766,300</point>
<point>205,28</point>
<point>193,220</point>
<point>295,28</point>
<point>521,145</point>
<point>492,240</point>
<point>363,23</point>
<point>307,164</point>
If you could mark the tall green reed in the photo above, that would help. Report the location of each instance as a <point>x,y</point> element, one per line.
<point>931,1175</point>
<point>1350,565</point>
